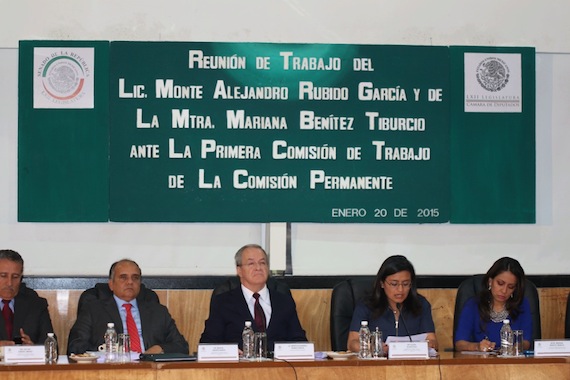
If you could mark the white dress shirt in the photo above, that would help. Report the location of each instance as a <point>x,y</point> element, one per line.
<point>264,301</point>
<point>136,317</point>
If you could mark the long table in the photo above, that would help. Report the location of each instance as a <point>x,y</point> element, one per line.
<point>447,366</point>
<point>77,371</point>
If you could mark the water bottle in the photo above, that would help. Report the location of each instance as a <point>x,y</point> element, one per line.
<point>247,339</point>
<point>506,339</point>
<point>51,349</point>
<point>364,335</point>
<point>110,343</point>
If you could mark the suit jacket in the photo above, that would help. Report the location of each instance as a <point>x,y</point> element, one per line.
<point>31,314</point>
<point>158,327</point>
<point>229,311</point>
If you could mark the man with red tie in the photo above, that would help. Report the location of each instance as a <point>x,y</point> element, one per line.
<point>149,325</point>
<point>269,310</point>
<point>25,318</point>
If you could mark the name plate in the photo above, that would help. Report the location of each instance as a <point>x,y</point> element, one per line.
<point>294,351</point>
<point>547,347</point>
<point>211,352</point>
<point>408,350</point>
<point>24,354</point>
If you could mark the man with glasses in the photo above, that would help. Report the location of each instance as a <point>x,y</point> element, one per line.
<point>25,317</point>
<point>149,324</point>
<point>270,311</point>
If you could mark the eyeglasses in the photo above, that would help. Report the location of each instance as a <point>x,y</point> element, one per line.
<point>252,264</point>
<point>395,285</point>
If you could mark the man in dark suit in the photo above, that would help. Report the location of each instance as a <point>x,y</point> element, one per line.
<point>25,315</point>
<point>230,310</point>
<point>155,330</point>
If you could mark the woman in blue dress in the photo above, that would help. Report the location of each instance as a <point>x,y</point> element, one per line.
<point>394,305</point>
<point>502,297</point>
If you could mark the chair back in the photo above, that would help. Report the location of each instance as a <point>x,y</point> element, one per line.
<point>230,283</point>
<point>344,298</point>
<point>102,291</point>
<point>473,285</point>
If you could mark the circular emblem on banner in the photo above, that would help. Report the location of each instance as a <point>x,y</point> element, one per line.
<point>63,78</point>
<point>493,74</point>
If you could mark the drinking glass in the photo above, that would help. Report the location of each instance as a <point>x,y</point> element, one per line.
<point>260,345</point>
<point>518,339</point>
<point>124,348</point>
<point>376,347</point>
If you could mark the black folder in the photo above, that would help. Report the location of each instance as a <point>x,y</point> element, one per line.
<point>171,357</point>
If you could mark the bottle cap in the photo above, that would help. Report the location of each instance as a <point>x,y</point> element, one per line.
<point>248,323</point>
<point>50,335</point>
<point>364,323</point>
<point>506,321</point>
<point>110,324</point>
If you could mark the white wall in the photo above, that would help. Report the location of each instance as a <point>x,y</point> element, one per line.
<point>317,249</point>
<point>407,22</point>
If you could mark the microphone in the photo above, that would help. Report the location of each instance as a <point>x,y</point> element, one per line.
<point>399,307</point>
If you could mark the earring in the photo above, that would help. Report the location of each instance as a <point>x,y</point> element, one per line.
<point>512,296</point>
<point>489,287</point>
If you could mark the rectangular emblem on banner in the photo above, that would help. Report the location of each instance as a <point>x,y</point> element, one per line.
<point>493,83</point>
<point>64,77</point>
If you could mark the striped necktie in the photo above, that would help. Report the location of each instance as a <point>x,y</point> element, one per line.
<point>132,329</point>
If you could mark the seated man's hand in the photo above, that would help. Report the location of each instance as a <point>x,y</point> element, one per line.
<point>25,338</point>
<point>156,349</point>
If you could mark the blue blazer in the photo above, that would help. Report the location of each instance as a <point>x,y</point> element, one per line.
<point>229,311</point>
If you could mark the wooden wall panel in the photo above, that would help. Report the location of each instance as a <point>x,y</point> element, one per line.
<point>62,306</point>
<point>553,311</point>
<point>313,308</point>
<point>190,309</point>
<point>442,307</point>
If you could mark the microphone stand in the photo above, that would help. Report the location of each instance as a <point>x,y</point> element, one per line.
<point>399,307</point>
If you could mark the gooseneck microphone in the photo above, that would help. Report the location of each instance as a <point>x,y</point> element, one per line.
<point>399,307</point>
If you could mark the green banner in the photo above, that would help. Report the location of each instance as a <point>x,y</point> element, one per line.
<point>63,131</point>
<point>265,132</point>
<point>493,135</point>
<point>279,132</point>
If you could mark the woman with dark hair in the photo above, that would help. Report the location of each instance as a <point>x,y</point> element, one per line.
<point>502,297</point>
<point>394,306</point>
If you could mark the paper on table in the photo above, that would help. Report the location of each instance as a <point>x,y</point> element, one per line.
<point>488,353</point>
<point>415,338</point>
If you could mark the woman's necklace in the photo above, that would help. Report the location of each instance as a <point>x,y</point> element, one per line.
<point>395,311</point>
<point>498,316</point>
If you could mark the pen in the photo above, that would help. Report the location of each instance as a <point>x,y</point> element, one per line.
<point>486,348</point>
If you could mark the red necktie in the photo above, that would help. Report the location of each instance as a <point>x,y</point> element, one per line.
<point>8,318</point>
<point>132,329</point>
<point>259,315</point>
